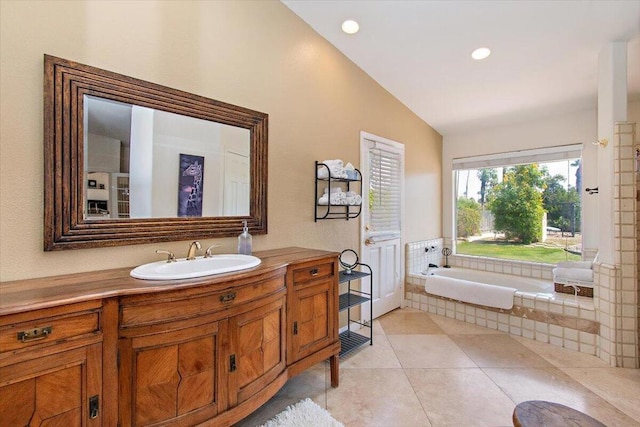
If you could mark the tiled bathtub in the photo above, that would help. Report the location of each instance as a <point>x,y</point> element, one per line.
<point>559,319</point>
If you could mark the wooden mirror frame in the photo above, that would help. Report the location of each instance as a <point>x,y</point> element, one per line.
<point>65,85</point>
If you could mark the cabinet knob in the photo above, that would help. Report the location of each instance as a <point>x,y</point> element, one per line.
<point>314,272</point>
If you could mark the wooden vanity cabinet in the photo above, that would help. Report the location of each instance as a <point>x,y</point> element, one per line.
<point>187,356</point>
<point>51,367</point>
<point>313,315</point>
<point>170,376</point>
<point>103,349</point>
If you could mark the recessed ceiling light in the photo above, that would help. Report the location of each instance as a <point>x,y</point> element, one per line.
<point>481,53</point>
<point>350,26</point>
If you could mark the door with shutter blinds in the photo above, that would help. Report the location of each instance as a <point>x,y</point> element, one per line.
<point>382,167</point>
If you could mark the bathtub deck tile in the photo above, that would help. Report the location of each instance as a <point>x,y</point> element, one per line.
<point>557,311</point>
<point>542,337</point>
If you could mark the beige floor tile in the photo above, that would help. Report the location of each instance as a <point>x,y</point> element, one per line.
<point>562,357</point>
<point>442,385</point>
<point>405,322</point>
<point>553,385</point>
<point>451,397</point>
<point>499,351</point>
<point>375,398</point>
<point>377,328</point>
<point>429,351</point>
<point>312,384</point>
<point>378,355</point>
<point>619,386</point>
<point>454,326</point>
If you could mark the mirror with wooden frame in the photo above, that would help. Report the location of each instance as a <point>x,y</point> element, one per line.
<point>132,162</point>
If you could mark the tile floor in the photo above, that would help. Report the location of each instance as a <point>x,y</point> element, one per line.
<point>429,370</point>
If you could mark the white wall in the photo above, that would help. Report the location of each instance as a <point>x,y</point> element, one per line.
<point>573,128</point>
<point>633,115</point>
<point>175,135</point>
<point>141,150</point>
<point>612,108</point>
<point>103,154</point>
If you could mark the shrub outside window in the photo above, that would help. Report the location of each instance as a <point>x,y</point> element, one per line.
<point>525,211</point>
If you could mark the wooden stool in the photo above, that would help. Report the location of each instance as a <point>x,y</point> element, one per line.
<point>538,413</point>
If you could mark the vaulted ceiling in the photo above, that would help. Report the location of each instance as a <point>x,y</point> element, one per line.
<point>544,58</point>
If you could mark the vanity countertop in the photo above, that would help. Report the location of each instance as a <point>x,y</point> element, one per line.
<point>32,294</point>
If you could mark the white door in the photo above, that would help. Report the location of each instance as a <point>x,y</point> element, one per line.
<point>382,167</point>
<point>236,184</point>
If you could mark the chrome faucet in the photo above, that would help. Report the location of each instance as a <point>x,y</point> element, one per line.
<point>191,255</point>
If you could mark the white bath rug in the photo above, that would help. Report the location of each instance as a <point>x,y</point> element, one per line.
<point>303,414</point>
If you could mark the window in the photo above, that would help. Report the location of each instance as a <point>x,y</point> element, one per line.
<point>384,200</point>
<point>522,206</point>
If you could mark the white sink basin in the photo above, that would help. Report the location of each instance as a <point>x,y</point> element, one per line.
<point>183,269</point>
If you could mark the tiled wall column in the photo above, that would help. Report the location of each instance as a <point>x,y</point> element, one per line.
<point>618,285</point>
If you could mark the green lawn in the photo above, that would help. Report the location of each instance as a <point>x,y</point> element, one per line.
<point>515,251</point>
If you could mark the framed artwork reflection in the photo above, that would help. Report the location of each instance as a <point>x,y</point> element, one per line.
<point>190,185</point>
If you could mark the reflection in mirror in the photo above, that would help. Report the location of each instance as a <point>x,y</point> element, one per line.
<point>147,163</point>
<point>129,162</point>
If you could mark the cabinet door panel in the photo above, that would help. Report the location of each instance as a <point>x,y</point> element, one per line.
<point>174,376</point>
<point>197,370</point>
<point>51,391</point>
<point>17,402</point>
<point>258,347</point>
<point>311,313</point>
<point>156,388</point>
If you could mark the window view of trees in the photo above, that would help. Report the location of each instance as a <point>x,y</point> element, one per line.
<point>469,217</point>
<point>527,212</point>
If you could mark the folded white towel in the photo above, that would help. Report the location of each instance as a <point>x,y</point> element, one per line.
<point>334,167</point>
<point>471,292</point>
<point>336,172</point>
<point>574,264</point>
<point>583,274</point>
<point>334,199</point>
<point>334,162</point>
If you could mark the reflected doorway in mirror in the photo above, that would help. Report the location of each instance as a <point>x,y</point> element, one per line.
<point>190,186</point>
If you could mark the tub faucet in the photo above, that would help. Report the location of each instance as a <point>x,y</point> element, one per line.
<point>576,289</point>
<point>191,255</point>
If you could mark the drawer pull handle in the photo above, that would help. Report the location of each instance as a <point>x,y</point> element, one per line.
<point>35,334</point>
<point>314,272</point>
<point>228,297</point>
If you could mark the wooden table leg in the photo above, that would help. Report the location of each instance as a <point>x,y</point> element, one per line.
<point>335,370</point>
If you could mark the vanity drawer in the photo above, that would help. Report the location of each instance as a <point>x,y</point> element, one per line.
<point>312,271</point>
<point>54,327</point>
<point>178,308</point>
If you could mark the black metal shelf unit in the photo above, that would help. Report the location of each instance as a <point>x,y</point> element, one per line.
<point>330,211</point>
<point>349,340</point>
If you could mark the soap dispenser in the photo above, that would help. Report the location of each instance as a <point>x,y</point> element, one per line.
<point>244,241</point>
